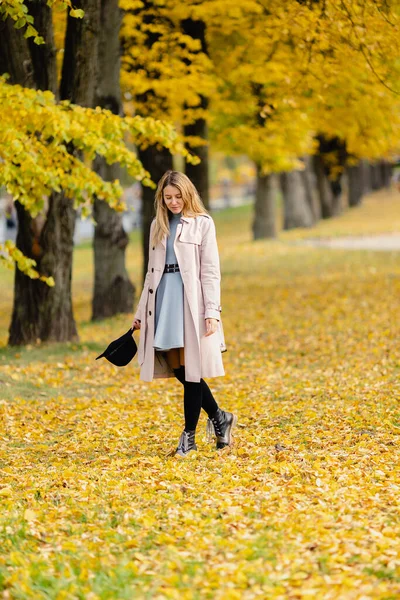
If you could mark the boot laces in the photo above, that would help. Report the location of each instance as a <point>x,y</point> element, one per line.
<point>214,427</point>
<point>210,431</point>
<point>184,441</point>
<point>217,426</point>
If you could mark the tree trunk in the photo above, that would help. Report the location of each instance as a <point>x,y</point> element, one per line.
<point>336,187</point>
<point>199,174</point>
<point>157,162</point>
<point>355,185</point>
<point>154,159</point>
<point>376,176</point>
<point>39,312</point>
<point>43,56</point>
<point>323,188</point>
<point>386,173</point>
<point>329,191</point>
<point>310,189</point>
<point>14,55</point>
<point>264,223</point>
<point>43,312</point>
<point>113,291</point>
<point>296,209</point>
<point>80,64</point>
<point>366,177</point>
<point>332,153</point>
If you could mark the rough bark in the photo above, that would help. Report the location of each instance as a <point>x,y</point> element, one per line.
<point>296,209</point>
<point>15,58</point>
<point>156,162</point>
<point>44,55</point>
<point>199,174</point>
<point>40,312</point>
<point>355,185</point>
<point>43,312</point>
<point>80,64</point>
<point>264,223</point>
<point>113,291</point>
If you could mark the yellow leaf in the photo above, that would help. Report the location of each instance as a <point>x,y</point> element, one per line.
<point>77,13</point>
<point>29,514</point>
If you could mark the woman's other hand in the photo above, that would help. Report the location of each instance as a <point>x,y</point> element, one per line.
<point>136,324</point>
<point>211,326</point>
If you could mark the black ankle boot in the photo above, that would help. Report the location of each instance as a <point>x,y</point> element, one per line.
<point>221,425</point>
<point>186,443</point>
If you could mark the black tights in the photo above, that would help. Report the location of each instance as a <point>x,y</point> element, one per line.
<point>196,395</point>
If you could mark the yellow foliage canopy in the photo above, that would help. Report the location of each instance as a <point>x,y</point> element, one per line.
<point>298,69</point>
<point>48,146</point>
<point>275,73</point>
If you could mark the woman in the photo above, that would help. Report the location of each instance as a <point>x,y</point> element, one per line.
<point>179,308</point>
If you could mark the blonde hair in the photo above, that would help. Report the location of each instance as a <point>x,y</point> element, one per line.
<point>192,203</point>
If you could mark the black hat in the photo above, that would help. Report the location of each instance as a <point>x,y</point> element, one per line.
<point>121,351</point>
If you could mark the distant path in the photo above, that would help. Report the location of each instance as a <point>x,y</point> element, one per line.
<point>384,242</point>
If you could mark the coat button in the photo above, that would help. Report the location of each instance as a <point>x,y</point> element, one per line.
<point>152,270</point>
<point>151,291</point>
<point>154,247</point>
<point>150,312</point>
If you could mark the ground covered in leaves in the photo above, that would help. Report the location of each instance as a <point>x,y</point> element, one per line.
<point>305,505</point>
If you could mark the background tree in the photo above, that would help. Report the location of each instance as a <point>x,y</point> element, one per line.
<point>167,75</point>
<point>46,159</point>
<point>113,291</point>
<point>313,67</point>
<point>40,311</point>
<point>196,130</point>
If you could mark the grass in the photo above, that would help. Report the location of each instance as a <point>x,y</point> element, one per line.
<point>305,505</point>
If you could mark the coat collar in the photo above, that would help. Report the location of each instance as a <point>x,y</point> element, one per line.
<point>189,219</point>
<point>164,238</point>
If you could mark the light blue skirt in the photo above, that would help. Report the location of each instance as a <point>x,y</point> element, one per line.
<point>169,330</point>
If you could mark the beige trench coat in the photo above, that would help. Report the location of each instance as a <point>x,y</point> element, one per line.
<point>196,251</point>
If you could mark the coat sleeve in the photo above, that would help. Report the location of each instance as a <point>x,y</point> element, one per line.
<point>145,291</point>
<point>210,273</point>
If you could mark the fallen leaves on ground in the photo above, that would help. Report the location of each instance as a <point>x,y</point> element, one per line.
<point>305,505</point>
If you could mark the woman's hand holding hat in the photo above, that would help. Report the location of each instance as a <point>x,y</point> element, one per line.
<point>136,324</point>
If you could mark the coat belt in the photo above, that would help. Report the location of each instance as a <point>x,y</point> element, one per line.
<point>171,268</point>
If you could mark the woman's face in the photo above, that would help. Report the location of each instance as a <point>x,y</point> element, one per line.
<point>173,198</point>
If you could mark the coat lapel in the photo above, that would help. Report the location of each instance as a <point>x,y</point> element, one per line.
<point>178,231</point>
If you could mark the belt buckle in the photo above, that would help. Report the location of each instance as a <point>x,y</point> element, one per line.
<point>171,268</point>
